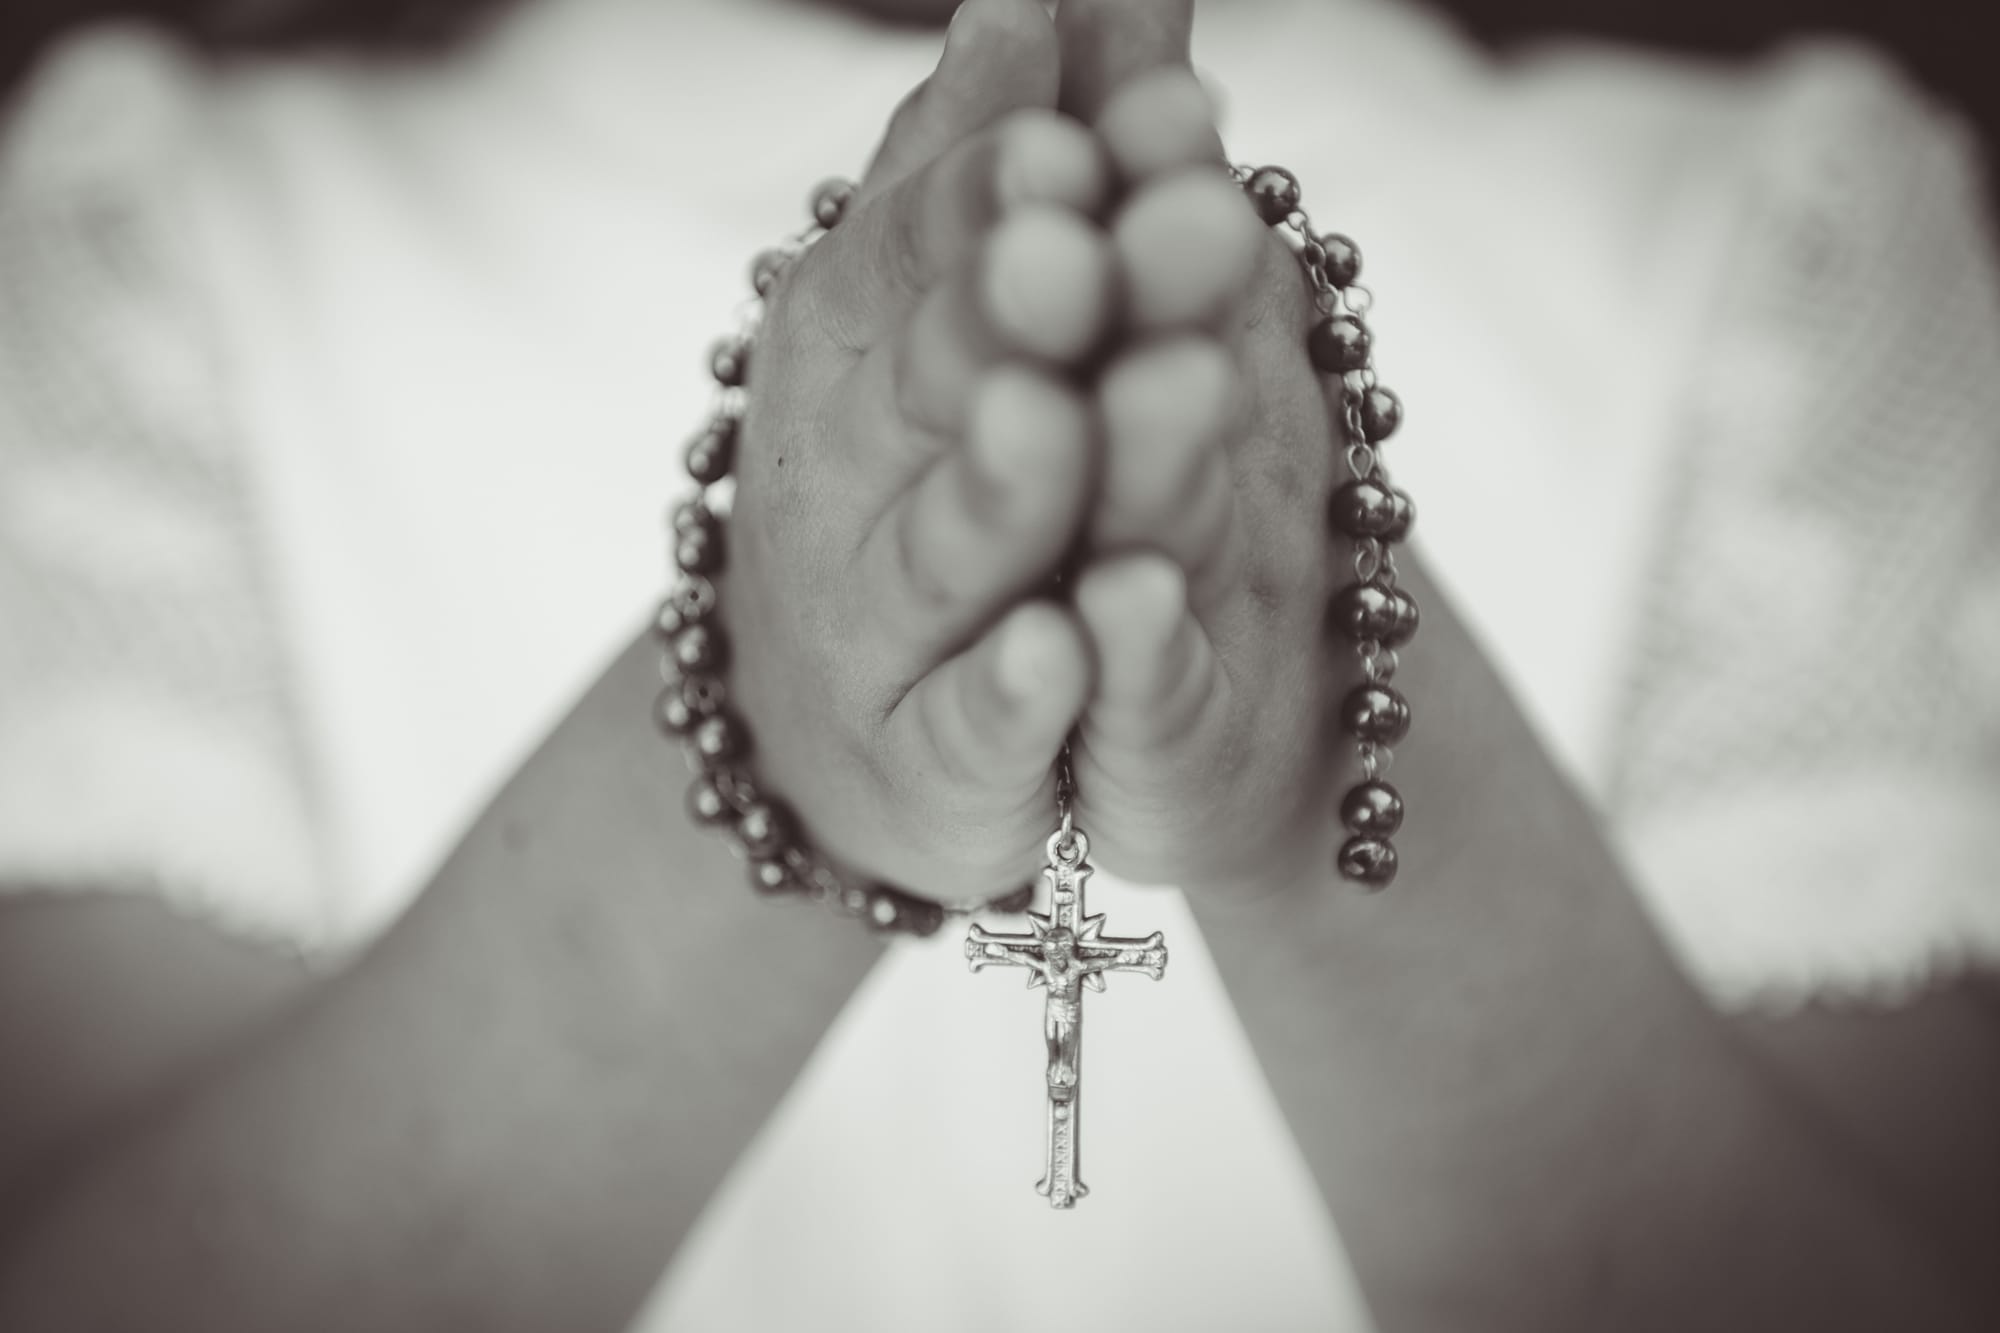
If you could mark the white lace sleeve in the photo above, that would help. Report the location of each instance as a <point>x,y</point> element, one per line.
<point>146,736</point>
<point>1810,784</point>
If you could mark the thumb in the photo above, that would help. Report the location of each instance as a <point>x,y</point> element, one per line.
<point>999,56</point>
<point>1105,43</point>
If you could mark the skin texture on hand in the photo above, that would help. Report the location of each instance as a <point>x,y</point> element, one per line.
<point>1025,345</point>
<point>915,463</point>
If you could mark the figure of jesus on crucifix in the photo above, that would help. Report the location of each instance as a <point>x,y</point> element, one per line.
<point>1065,952</point>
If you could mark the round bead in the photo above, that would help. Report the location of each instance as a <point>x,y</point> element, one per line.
<point>1402,516</point>
<point>685,702</point>
<point>766,269</point>
<point>765,830</point>
<point>694,597</point>
<point>729,362</point>
<point>1363,508</point>
<point>774,876</point>
<point>1381,413</point>
<point>1375,712</point>
<point>1370,862</point>
<point>705,694</point>
<point>830,199</point>
<point>1405,620</point>
<point>693,516</point>
<point>1364,610</point>
<point>699,550</point>
<point>1339,344</point>
<point>701,648</point>
<point>1274,193</point>
<point>670,621</point>
<point>719,738</point>
<point>1372,808</point>
<point>706,804</point>
<point>712,453</point>
<point>892,909</point>
<point>673,713</point>
<point>1343,259</point>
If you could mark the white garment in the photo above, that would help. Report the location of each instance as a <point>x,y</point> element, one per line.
<point>417,434</point>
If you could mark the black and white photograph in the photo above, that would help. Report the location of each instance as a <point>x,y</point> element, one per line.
<point>618,616</point>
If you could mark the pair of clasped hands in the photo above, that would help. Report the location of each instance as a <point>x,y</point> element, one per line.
<point>1049,335</point>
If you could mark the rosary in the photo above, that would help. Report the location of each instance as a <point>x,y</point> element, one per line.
<point>1064,949</point>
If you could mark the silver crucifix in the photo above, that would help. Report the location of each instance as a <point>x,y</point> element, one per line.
<point>1066,952</point>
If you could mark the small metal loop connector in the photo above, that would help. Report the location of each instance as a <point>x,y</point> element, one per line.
<point>1065,802</point>
<point>1368,560</point>
<point>1360,300</point>
<point>1375,759</point>
<point>1361,460</point>
<point>1069,846</point>
<point>1379,667</point>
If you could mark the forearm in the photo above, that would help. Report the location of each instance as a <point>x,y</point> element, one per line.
<point>505,1116</point>
<point>1520,1113</point>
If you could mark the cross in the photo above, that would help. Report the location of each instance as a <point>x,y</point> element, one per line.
<point>1065,952</point>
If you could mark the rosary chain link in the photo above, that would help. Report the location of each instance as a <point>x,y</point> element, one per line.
<point>1368,508</point>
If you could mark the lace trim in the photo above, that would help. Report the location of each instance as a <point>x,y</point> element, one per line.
<point>147,736</point>
<point>1826,599</point>
<point>1863,892</point>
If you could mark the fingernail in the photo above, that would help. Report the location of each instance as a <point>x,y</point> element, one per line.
<point>1025,669</point>
<point>1020,423</point>
<point>1140,598</point>
<point>1157,591</point>
<point>957,33</point>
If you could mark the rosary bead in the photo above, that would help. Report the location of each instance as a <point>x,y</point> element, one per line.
<point>712,453</point>
<point>1405,620</point>
<point>699,542</point>
<point>1363,508</point>
<point>729,362</point>
<point>1375,712</point>
<point>699,551</point>
<point>1364,610</point>
<point>692,514</point>
<point>764,829</point>
<point>673,712</point>
<point>1343,259</point>
<point>1339,344</point>
<point>1381,413</point>
<point>1374,808</point>
<point>670,621</point>
<point>1402,515</point>
<point>1370,862</point>
<point>706,804</point>
<point>719,738</point>
<point>830,199</point>
<point>701,649</point>
<point>685,702</point>
<point>767,268</point>
<point>774,876</point>
<point>694,597</point>
<point>1274,192</point>
<point>892,909</point>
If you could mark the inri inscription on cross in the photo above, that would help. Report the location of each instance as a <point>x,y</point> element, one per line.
<point>1065,951</point>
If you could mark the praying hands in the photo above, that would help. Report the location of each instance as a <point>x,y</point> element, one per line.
<point>1034,473</point>
<point>1049,336</point>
